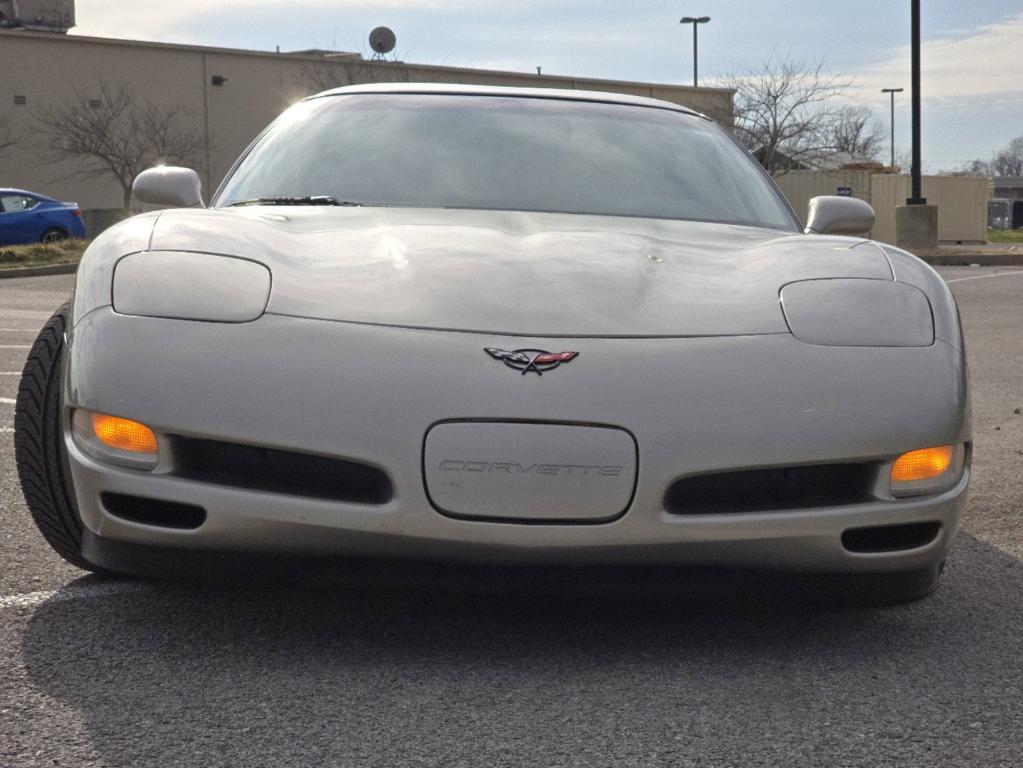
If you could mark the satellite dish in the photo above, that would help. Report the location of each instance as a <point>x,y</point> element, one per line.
<point>382,40</point>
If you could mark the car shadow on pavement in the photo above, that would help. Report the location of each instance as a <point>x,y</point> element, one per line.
<point>181,675</point>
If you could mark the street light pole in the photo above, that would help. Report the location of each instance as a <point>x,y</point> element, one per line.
<point>917,198</point>
<point>695,21</point>
<point>893,91</point>
<point>916,222</point>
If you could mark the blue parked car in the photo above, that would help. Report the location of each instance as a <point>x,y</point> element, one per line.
<point>26,217</point>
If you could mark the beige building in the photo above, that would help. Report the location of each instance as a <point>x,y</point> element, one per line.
<point>961,200</point>
<point>230,95</point>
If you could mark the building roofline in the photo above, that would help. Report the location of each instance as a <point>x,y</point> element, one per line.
<point>52,37</point>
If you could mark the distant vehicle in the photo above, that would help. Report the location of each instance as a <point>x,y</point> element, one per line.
<point>26,217</point>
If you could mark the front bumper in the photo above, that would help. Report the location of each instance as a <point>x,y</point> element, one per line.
<point>371,394</point>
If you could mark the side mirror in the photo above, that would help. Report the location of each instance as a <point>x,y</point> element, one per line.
<point>169,187</point>
<point>830,215</point>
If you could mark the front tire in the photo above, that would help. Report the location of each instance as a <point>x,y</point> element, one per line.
<point>53,235</point>
<point>39,444</point>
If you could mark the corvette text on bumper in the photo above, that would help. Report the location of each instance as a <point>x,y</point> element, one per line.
<point>569,470</point>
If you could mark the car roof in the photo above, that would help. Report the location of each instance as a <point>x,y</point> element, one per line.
<point>16,191</point>
<point>603,97</point>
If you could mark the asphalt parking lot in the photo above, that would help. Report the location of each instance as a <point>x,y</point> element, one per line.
<point>138,674</point>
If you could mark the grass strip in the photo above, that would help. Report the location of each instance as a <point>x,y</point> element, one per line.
<point>41,255</point>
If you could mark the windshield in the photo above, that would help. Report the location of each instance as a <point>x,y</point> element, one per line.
<point>507,153</point>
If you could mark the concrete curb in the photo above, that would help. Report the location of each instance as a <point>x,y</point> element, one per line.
<point>52,269</point>
<point>968,259</point>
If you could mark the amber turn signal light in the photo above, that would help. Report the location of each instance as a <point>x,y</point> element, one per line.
<point>123,434</point>
<point>924,464</point>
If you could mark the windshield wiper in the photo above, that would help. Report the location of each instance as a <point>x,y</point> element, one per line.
<point>314,200</point>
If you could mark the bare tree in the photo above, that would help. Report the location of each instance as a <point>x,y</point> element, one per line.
<point>1009,161</point>
<point>117,135</point>
<point>8,133</point>
<point>785,112</point>
<point>1006,162</point>
<point>857,131</point>
<point>335,71</point>
<point>978,167</point>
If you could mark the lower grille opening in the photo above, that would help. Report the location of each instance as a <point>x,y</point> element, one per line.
<point>276,471</point>
<point>165,514</point>
<point>767,490</point>
<point>890,538</point>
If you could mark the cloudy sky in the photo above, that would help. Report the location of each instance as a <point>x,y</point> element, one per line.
<point>973,55</point>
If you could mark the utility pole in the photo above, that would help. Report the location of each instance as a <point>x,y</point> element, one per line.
<point>893,91</point>
<point>916,222</point>
<point>918,197</point>
<point>696,21</point>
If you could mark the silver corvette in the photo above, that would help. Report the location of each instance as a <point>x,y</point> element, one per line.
<point>503,326</point>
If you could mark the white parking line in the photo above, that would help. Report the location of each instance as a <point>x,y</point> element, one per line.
<point>89,591</point>
<point>6,430</point>
<point>15,346</point>
<point>982,277</point>
<point>7,401</point>
<point>9,373</point>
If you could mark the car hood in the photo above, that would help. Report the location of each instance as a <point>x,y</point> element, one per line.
<point>512,273</point>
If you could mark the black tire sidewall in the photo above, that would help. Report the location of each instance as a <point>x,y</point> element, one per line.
<point>61,235</point>
<point>43,466</point>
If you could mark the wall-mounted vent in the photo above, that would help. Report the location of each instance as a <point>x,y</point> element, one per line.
<point>95,104</point>
<point>20,101</point>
